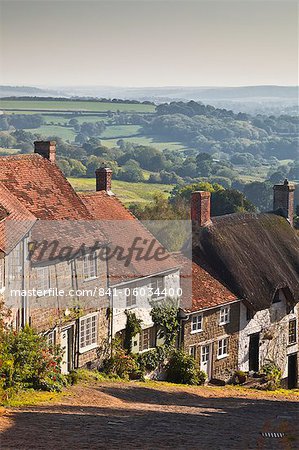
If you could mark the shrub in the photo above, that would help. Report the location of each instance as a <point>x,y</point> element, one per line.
<point>150,360</point>
<point>120,363</point>
<point>27,361</point>
<point>272,376</point>
<point>182,368</point>
<point>239,377</point>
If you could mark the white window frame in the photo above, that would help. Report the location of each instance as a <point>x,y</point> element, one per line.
<point>15,264</point>
<point>2,275</point>
<point>205,353</point>
<point>90,267</point>
<point>92,341</point>
<point>43,280</point>
<point>196,323</point>
<point>131,299</point>
<point>51,338</point>
<point>224,315</point>
<point>193,351</point>
<point>222,351</point>
<point>295,335</point>
<point>157,284</point>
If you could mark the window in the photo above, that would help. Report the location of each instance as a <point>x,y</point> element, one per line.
<point>196,324</point>
<point>90,266</point>
<point>88,331</point>
<point>131,298</point>
<point>51,338</point>
<point>157,287</point>
<point>205,353</point>
<point>2,274</point>
<point>277,297</point>
<point>147,339</point>
<point>43,279</point>
<point>15,264</point>
<point>292,331</point>
<point>222,347</point>
<point>224,315</point>
<point>192,351</point>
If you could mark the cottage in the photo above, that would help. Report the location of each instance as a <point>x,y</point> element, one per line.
<point>144,275</point>
<point>256,257</point>
<point>39,205</point>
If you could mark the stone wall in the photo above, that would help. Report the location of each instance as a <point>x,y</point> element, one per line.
<point>212,331</point>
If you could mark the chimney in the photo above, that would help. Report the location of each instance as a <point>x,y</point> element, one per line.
<point>104,179</point>
<point>283,200</point>
<point>47,149</point>
<point>201,207</point>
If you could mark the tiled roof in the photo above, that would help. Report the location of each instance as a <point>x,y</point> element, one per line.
<point>121,229</point>
<point>15,220</point>
<point>42,188</point>
<point>207,291</point>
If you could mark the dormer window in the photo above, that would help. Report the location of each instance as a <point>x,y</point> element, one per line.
<point>277,297</point>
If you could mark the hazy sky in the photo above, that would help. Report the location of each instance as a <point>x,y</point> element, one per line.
<point>149,43</point>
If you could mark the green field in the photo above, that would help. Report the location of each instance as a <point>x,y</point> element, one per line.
<point>66,133</point>
<point>126,192</point>
<point>55,105</point>
<point>143,140</point>
<point>120,131</point>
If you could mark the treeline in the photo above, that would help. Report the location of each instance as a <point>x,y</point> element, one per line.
<point>21,121</point>
<point>80,99</point>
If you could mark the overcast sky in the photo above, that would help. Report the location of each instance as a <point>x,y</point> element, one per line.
<point>149,43</point>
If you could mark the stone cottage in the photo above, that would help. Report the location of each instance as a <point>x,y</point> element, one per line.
<point>256,257</point>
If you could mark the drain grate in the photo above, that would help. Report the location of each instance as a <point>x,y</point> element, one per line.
<point>271,434</point>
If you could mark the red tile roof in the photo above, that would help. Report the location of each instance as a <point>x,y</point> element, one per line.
<point>42,188</point>
<point>207,291</point>
<point>15,220</point>
<point>121,228</point>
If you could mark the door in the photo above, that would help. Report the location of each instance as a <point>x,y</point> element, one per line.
<point>254,352</point>
<point>66,341</point>
<point>205,360</point>
<point>292,371</point>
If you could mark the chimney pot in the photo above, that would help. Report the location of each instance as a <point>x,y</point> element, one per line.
<point>201,207</point>
<point>104,180</point>
<point>47,149</point>
<point>283,200</point>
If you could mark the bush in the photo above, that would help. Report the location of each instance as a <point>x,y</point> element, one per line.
<point>272,376</point>
<point>182,368</point>
<point>150,360</point>
<point>120,363</point>
<point>239,377</point>
<point>27,361</point>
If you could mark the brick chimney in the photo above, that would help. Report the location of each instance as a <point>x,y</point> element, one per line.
<point>201,207</point>
<point>104,180</point>
<point>47,149</point>
<point>283,200</point>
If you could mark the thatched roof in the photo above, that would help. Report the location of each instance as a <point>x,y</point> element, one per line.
<point>252,254</point>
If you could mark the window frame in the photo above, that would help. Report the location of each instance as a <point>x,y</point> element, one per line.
<point>131,299</point>
<point>150,339</point>
<point>193,351</point>
<point>156,281</point>
<point>196,322</point>
<point>2,275</point>
<point>293,332</point>
<point>46,280</point>
<point>83,320</point>
<point>224,315</point>
<point>223,344</point>
<point>92,272</point>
